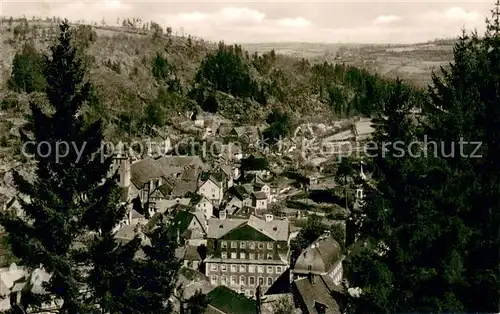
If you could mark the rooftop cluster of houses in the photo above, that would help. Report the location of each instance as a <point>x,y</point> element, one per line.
<point>225,228</point>
<point>227,233</point>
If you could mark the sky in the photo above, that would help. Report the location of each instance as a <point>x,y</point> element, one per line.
<point>279,21</point>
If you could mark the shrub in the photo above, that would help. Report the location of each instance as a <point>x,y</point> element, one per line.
<point>27,71</point>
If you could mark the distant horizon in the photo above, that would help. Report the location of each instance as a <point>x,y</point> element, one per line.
<point>266,21</point>
<point>285,42</point>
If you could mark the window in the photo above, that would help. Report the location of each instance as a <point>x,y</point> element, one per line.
<point>252,256</point>
<point>242,244</point>
<point>242,255</point>
<point>233,245</point>
<point>269,256</point>
<point>261,245</point>
<point>214,267</point>
<point>251,268</point>
<point>223,267</point>
<point>251,280</point>
<point>223,280</point>
<point>233,255</point>
<point>269,269</point>
<point>252,245</point>
<point>260,269</point>
<point>233,280</point>
<point>278,245</point>
<point>270,246</point>
<point>278,269</point>
<point>269,281</point>
<point>243,268</point>
<point>214,279</point>
<point>261,281</point>
<point>223,254</point>
<point>242,280</point>
<point>233,268</point>
<point>223,244</point>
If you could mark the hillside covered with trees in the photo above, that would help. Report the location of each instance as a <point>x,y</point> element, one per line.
<point>146,77</point>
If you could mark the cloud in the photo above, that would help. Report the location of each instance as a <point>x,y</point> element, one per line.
<point>460,14</point>
<point>386,19</point>
<point>241,15</point>
<point>452,15</point>
<point>294,22</point>
<point>193,17</point>
<point>269,21</point>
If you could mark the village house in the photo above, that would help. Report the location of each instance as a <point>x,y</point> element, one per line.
<point>259,200</point>
<point>317,276</point>
<point>245,253</point>
<point>190,256</point>
<point>191,227</point>
<point>322,257</point>
<point>265,188</point>
<point>236,198</point>
<point>203,205</point>
<point>212,186</point>
<point>13,281</point>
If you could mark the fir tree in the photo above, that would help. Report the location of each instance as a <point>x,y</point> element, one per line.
<point>408,263</point>
<point>72,209</point>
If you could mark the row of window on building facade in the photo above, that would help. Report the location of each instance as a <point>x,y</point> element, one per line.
<point>243,255</point>
<point>251,245</point>
<point>252,280</point>
<point>243,268</point>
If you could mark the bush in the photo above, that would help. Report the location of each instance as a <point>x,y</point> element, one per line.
<point>27,71</point>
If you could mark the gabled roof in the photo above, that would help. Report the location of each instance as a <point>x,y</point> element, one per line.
<point>219,227</point>
<point>317,291</point>
<point>259,195</point>
<point>136,215</point>
<point>231,302</point>
<point>239,191</point>
<point>213,180</point>
<point>276,229</point>
<point>183,219</point>
<point>322,255</point>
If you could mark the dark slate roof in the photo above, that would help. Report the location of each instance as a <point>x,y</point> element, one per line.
<point>231,302</point>
<point>318,291</point>
<point>322,255</point>
<point>192,254</point>
<point>239,191</point>
<point>182,220</point>
<point>260,195</point>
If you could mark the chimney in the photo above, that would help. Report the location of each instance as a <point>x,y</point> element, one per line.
<point>222,214</point>
<point>269,218</point>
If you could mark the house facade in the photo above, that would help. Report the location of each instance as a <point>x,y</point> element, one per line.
<point>259,200</point>
<point>212,190</point>
<point>245,253</point>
